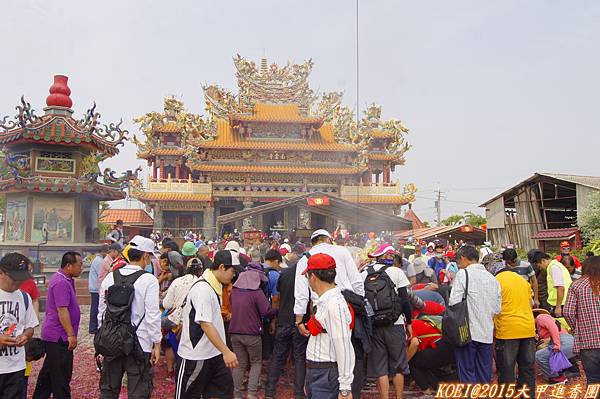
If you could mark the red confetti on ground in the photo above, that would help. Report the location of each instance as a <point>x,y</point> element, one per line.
<point>85,382</point>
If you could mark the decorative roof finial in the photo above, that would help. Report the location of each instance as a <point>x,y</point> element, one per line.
<point>59,93</point>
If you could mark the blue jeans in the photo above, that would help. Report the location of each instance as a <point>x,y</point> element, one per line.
<point>322,383</point>
<point>474,363</point>
<point>93,328</point>
<point>542,357</point>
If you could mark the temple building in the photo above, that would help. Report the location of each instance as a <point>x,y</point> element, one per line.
<point>49,177</point>
<point>274,140</point>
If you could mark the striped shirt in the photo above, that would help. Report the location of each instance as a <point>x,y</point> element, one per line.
<point>334,345</point>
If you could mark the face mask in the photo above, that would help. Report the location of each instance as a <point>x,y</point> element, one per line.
<point>439,256</point>
<point>387,262</point>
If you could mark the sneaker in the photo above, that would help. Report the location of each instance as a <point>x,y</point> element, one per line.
<point>561,379</point>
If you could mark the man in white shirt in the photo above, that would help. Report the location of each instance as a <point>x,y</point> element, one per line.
<point>116,235</point>
<point>145,316</point>
<point>204,371</point>
<point>388,352</point>
<point>17,321</point>
<point>329,354</point>
<point>347,278</point>
<point>484,301</point>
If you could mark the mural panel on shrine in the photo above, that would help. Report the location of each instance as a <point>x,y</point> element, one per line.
<point>55,216</point>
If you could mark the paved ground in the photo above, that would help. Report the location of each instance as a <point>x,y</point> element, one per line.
<point>85,378</point>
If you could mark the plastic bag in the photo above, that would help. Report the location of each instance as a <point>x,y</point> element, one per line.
<point>558,361</point>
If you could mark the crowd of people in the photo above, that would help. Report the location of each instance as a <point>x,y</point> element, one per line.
<point>342,317</point>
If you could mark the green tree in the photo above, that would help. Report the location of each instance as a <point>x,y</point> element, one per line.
<point>467,217</point>
<point>452,220</point>
<point>589,218</point>
<point>474,219</point>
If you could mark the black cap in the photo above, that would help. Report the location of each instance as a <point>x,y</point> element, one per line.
<point>16,266</point>
<point>223,257</point>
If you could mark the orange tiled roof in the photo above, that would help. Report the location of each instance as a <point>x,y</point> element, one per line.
<point>383,157</point>
<point>155,196</point>
<point>381,134</point>
<point>161,151</point>
<point>387,199</point>
<point>169,127</point>
<point>282,113</point>
<point>275,169</point>
<point>416,222</point>
<point>322,142</point>
<point>129,217</point>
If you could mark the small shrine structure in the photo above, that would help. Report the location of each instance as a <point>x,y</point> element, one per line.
<point>49,177</point>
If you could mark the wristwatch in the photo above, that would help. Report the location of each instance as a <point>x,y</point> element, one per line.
<point>344,393</point>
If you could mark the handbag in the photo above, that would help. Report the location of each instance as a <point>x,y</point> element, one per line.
<point>455,322</point>
<point>558,361</point>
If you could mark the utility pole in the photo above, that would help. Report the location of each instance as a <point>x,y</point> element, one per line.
<point>438,206</point>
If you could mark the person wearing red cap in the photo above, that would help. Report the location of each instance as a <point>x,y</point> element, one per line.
<point>330,354</point>
<point>347,278</point>
<point>565,249</point>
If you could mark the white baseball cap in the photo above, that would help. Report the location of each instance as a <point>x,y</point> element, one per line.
<point>142,244</point>
<point>320,232</point>
<point>233,246</point>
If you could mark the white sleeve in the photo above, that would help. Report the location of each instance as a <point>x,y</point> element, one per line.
<point>458,288</point>
<point>202,301</point>
<point>557,277</point>
<point>31,320</point>
<point>102,298</point>
<point>152,310</point>
<point>301,289</point>
<point>498,298</point>
<point>358,285</point>
<point>169,299</point>
<point>340,334</point>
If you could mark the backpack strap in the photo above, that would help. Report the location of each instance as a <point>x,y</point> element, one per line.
<point>26,300</point>
<point>129,279</point>
<point>466,285</point>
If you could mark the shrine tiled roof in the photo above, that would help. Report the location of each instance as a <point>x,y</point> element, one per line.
<point>161,151</point>
<point>170,196</point>
<point>250,168</point>
<point>57,129</point>
<point>276,113</point>
<point>62,185</point>
<point>226,139</point>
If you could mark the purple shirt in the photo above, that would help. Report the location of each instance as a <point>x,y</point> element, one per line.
<point>248,308</point>
<point>61,294</point>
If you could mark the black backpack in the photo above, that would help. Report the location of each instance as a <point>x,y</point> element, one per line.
<point>117,336</point>
<point>383,297</point>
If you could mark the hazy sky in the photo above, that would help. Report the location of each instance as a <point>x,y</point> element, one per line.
<point>492,91</point>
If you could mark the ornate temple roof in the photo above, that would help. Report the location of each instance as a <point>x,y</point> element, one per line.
<point>227,139</point>
<point>276,113</point>
<point>161,151</point>
<point>173,196</point>
<point>251,168</point>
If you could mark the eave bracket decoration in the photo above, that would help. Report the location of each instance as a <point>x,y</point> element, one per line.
<point>24,118</point>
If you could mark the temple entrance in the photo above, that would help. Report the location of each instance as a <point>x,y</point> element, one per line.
<point>228,227</point>
<point>317,221</point>
<point>179,223</point>
<point>274,221</point>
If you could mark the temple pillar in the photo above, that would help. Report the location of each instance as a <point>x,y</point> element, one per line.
<point>248,223</point>
<point>158,219</point>
<point>154,169</point>
<point>177,171</point>
<point>386,174</point>
<point>162,169</point>
<point>369,176</point>
<point>209,229</point>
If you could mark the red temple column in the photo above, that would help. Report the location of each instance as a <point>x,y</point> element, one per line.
<point>177,171</point>
<point>386,174</point>
<point>369,176</point>
<point>162,169</point>
<point>154,169</point>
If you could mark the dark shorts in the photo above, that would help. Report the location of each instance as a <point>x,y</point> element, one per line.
<point>204,379</point>
<point>388,352</point>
